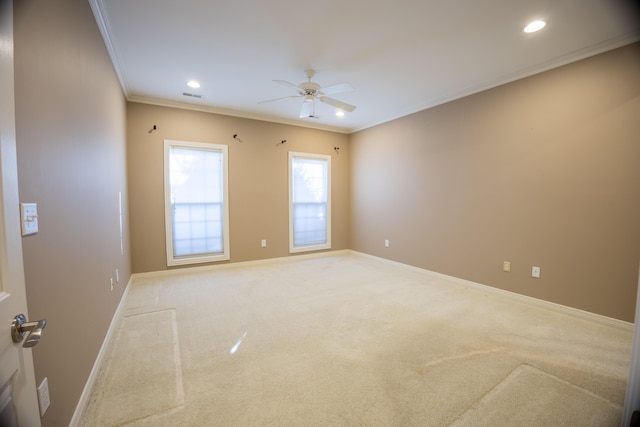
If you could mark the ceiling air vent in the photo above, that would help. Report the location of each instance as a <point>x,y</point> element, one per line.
<point>191,95</point>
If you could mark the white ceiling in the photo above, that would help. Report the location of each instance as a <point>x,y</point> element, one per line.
<point>400,57</point>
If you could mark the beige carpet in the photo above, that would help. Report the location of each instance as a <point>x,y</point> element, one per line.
<point>148,356</point>
<point>352,341</point>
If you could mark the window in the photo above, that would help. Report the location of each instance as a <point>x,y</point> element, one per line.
<point>309,202</point>
<point>196,202</point>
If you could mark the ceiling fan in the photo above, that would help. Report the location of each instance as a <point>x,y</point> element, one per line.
<point>311,91</point>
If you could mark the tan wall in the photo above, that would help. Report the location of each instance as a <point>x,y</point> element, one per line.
<point>70,124</point>
<point>258,183</point>
<point>541,171</point>
<point>544,171</point>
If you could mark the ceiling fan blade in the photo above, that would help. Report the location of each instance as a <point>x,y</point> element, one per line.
<point>307,108</point>
<point>338,104</point>
<point>286,83</point>
<point>278,99</point>
<point>342,87</point>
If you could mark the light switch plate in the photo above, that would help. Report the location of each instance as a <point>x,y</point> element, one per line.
<point>29,218</point>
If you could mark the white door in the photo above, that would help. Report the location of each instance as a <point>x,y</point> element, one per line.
<point>18,401</point>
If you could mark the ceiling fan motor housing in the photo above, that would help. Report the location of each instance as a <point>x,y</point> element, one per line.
<point>309,88</point>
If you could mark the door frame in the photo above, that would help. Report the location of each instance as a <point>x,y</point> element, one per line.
<point>17,378</point>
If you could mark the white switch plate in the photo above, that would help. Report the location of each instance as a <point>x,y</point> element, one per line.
<point>386,243</point>
<point>29,218</point>
<point>535,272</point>
<point>263,243</point>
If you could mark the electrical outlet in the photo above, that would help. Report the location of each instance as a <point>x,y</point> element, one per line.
<point>386,243</point>
<point>43,396</point>
<point>535,272</point>
<point>263,243</point>
<point>506,266</point>
<point>29,218</point>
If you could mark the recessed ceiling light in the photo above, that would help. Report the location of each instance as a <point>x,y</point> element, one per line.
<point>340,113</point>
<point>194,84</point>
<point>534,26</point>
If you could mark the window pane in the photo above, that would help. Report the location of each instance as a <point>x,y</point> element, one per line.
<point>309,201</point>
<point>310,223</point>
<point>196,192</point>
<point>309,180</point>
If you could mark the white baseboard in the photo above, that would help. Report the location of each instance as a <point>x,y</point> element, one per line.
<point>575,312</point>
<point>232,265</point>
<point>88,387</point>
<point>570,311</point>
<point>559,308</point>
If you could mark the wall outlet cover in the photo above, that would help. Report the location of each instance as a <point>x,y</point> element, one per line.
<point>535,272</point>
<point>43,396</point>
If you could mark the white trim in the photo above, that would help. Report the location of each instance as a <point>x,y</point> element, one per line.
<point>93,376</point>
<point>195,259</point>
<point>558,308</point>
<point>317,247</point>
<point>236,113</point>
<point>97,6</point>
<point>571,57</point>
<point>570,311</point>
<point>233,265</point>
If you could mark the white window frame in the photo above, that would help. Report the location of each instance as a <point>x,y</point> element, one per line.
<point>200,258</point>
<point>310,247</point>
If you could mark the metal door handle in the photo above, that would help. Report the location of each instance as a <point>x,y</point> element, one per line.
<point>20,327</point>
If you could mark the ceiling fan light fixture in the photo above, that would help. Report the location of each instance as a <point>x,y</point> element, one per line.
<point>340,113</point>
<point>534,26</point>
<point>193,84</point>
<point>310,91</point>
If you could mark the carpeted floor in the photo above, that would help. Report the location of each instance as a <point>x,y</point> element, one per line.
<point>352,341</point>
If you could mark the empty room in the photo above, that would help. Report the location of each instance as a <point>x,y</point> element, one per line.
<point>416,213</point>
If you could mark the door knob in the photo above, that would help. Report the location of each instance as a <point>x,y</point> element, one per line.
<point>20,327</point>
